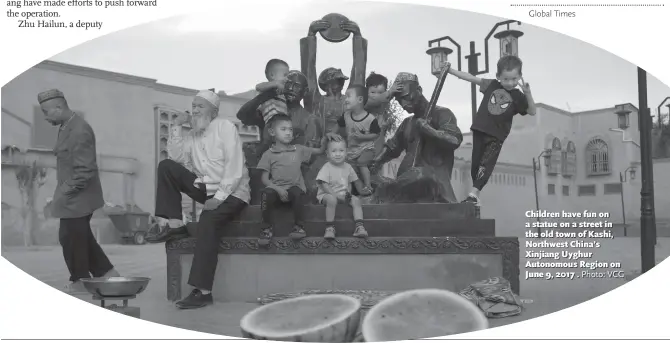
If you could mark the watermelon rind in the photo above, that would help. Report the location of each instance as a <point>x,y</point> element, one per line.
<point>340,328</point>
<point>371,333</point>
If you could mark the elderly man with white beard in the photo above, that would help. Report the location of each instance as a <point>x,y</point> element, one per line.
<point>220,180</point>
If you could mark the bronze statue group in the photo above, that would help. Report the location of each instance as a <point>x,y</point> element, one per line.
<point>327,152</point>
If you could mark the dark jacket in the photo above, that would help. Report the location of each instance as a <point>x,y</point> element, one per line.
<point>79,191</point>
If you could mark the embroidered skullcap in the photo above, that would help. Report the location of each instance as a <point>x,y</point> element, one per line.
<point>50,94</point>
<point>210,96</point>
<point>403,77</point>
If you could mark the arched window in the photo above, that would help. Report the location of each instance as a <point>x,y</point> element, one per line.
<point>555,159</point>
<point>571,159</point>
<point>597,155</point>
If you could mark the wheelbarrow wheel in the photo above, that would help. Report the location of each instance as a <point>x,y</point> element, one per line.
<point>140,238</point>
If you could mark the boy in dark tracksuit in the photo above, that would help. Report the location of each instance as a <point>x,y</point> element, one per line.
<point>493,122</point>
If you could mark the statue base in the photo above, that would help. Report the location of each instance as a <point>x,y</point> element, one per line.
<point>416,246</point>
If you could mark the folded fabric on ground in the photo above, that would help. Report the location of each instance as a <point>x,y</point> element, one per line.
<point>494,297</point>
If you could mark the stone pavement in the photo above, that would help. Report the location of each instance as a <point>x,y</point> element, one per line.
<point>540,296</point>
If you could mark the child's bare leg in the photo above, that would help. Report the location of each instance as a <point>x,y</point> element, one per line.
<point>358,217</point>
<point>358,209</point>
<point>331,205</point>
<point>365,176</point>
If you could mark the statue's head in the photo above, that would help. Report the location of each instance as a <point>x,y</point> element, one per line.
<point>331,81</point>
<point>295,86</point>
<point>409,94</point>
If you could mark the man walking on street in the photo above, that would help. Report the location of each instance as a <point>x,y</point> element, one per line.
<point>79,192</point>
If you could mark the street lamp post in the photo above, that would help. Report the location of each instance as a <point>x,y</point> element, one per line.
<point>509,45</point>
<point>660,118</point>
<point>536,166</point>
<point>622,180</point>
<point>647,220</point>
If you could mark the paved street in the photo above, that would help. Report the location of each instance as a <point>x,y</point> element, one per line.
<point>541,296</point>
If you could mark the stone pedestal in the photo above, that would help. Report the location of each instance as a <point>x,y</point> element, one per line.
<point>410,246</point>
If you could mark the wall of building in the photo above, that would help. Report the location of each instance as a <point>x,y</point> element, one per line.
<point>580,128</point>
<point>661,188</point>
<point>15,130</point>
<point>531,135</point>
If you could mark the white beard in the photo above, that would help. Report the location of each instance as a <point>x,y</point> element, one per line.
<point>200,124</point>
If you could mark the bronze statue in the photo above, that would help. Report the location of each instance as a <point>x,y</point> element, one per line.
<point>306,130</point>
<point>429,139</point>
<point>329,108</point>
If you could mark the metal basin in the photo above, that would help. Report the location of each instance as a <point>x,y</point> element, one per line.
<point>116,286</point>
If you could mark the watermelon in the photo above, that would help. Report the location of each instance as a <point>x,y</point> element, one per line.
<point>421,313</point>
<point>311,318</point>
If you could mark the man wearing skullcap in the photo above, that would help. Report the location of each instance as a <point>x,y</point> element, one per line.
<point>429,141</point>
<point>79,192</point>
<point>219,180</point>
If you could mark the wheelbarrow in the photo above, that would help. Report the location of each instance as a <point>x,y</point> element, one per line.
<point>133,225</point>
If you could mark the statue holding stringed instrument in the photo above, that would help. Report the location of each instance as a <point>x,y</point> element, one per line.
<point>429,138</point>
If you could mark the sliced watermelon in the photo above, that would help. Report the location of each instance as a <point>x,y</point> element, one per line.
<point>421,313</point>
<point>312,318</point>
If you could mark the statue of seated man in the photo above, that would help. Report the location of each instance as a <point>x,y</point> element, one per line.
<point>428,140</point>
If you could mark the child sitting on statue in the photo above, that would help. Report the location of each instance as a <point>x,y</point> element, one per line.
<point>276,71</point>
<point>379,96</point>
<point>334,180</point>
<point>379,104</point>
<point>362,130</point>
<point>282,177</point>
<point>493,121</point>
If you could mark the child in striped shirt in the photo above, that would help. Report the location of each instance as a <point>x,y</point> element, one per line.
<point>276,71</point>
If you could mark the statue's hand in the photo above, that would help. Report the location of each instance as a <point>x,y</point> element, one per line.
<point>352,27</point>
<point>375,164</point>
<point>423,126</point>
<point>318,26</point>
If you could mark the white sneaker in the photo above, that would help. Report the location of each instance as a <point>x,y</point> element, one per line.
<point>472,199</point>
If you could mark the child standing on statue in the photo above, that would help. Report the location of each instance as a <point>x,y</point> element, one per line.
<point>334,180</point>
<point>362,130</point>
<point>276,71</point>
<point>282,177</point>
<point>379,104</point>
<point>493,122</point>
